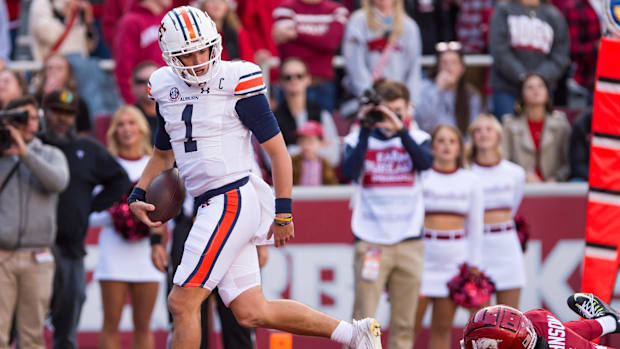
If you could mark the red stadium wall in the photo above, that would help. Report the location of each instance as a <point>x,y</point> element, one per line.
<point>317,267</point>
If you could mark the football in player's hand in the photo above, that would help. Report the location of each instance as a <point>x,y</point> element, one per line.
<point>166,193</point>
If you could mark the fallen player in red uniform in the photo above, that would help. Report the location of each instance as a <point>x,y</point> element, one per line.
<point>503,327</point>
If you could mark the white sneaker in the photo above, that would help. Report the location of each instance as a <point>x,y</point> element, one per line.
<point>366,334</point>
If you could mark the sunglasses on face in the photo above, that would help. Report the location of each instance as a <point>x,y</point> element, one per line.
<point>289,77</point>
<point>139,81</point>
<point>448,46</point>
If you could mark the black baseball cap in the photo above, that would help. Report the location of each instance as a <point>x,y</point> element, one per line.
<point>62,101</point>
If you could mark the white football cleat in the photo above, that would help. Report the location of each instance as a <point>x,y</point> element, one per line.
<point>366,334</point>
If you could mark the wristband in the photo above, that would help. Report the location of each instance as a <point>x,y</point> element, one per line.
<point>283,223</point>
<point>155,239</point>
<point>283,219</point>
<point>137,194</point>
<point>284,205</point>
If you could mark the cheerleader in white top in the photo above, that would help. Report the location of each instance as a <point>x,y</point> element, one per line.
<point>452,229</point>
<point>503,183</point>
<point>125,267</point>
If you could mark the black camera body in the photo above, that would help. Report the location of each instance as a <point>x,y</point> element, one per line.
<point>370,97</point>
<point>14,117</point>
<point>373,116</point>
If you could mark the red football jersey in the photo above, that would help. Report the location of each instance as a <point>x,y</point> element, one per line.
<point>568,335</point>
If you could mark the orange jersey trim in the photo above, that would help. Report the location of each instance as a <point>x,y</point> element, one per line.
<point>249,84</point>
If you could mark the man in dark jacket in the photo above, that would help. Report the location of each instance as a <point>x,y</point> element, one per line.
<point>579,148</point>
<point>89,164</point>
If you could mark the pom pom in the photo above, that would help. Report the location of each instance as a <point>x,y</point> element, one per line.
<point>470,288</point>
<point>523,231</point>
<point>125,223</point>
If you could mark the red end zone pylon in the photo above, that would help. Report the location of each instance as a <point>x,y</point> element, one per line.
<point>601,260</point>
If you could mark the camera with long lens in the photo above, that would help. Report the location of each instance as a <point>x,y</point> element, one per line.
<point>13,117</point>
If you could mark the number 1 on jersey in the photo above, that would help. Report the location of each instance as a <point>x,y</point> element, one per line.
<point>190,144</point>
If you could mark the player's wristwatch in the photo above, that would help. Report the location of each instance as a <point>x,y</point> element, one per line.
<point>137,194</point>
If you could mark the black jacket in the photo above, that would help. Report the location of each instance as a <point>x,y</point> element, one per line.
<point>90,164</point>
<point>579,150</point>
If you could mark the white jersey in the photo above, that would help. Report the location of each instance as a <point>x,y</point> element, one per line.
<point>459,192</point>
<point>211,146</point>
<point>503,185</point>
<point>387,205</point>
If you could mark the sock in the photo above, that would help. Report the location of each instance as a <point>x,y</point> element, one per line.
<point>608,323</point>
<point>343,333</point>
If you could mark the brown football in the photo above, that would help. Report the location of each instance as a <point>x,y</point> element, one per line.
<point>167,193</point>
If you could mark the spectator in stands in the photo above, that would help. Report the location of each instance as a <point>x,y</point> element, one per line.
<point>139,86</point>
<point>295,110</point>
<point>57,74</point>
<point>579,148</point>
<point>436,19</point>
<point>503,183</point>
<point>12,85</point>
<point>33,175</point>
<point>312,30</point>
<point>113,11</point>
<point>125,267</point>
<point>5,38</point>
<point>14,9</point>
<point>585,33</point>
<point>537,137</point>
<point>136,41</point>
<point>256,18</point>
<point>309,168</point>
<point>527,36</point>
<point>472,25</point>
<point>61,27</point>
<point>384,159</point>
<point>90,164</point>
<point>452,232</point>
<point>381,41</point>
<point>236,42</point>
<point>66,27</point>
<point>448,98</point>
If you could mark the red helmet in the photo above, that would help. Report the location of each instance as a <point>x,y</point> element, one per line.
<point>499,327</point>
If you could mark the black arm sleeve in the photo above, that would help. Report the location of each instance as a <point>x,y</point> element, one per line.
<point>420,154</point>
<point>353,161</point>
<point>162,138</point>
<point>113,178</point>
<point>255,114</point>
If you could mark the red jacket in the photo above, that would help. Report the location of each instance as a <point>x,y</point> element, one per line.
<point>113,11</point>
<point>244,46</point>
<point>257,20</point>
<point>135,42</point>
<point>320,28</point>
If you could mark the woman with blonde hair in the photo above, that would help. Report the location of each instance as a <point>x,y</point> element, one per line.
<point>381,41</point>
<point>452,230</point>
<point>125,267</point>
<point>503,183</point>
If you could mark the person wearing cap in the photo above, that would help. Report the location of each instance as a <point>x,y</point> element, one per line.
<point>309,168</point>
<point>90,164</point>
<point>32,175</point>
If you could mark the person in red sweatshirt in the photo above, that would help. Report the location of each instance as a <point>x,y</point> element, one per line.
<point>312,30</point>
<point>236,41</point>
<point>503,327</point>
<point>136,41</point>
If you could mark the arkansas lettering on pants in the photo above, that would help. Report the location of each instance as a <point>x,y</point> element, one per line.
<point>569,335</point>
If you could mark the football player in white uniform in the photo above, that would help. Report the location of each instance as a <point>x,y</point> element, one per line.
<point>207,110</point>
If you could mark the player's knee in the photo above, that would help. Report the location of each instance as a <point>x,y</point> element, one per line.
<point>177,305</point>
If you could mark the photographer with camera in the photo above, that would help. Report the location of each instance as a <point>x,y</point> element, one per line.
<point>384,158</point>
<point>31,176</point>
